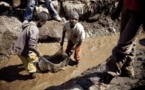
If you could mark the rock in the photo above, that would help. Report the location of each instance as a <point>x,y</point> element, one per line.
<point>51,31</point>
<point>75,6</point>
<point>9,30</point>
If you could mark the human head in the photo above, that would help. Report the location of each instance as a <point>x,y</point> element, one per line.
<point>74,17</point>
<point>41,18</point>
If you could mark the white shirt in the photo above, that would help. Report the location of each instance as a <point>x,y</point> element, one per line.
<point>74,34</point>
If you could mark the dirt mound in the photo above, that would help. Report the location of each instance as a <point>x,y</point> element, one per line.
<point>9,29</point>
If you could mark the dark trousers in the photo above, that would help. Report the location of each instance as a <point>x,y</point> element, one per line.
<point>77,54</point>
<point>123,53</point>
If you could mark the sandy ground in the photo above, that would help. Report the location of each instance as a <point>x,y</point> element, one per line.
<point>94,51</point>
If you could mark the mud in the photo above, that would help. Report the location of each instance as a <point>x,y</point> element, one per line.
<point>92,75</point>
<point>59,56</point>
<point>94,53</point>
<point>102,36</point>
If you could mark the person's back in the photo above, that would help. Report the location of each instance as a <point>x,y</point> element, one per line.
<point>26,44</point>
<point>22,44</point>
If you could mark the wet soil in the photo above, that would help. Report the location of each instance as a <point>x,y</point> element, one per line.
<point>92,75</point>
<point>95,50</point>
<point>94,53</point>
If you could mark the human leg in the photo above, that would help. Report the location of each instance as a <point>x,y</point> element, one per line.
<point>24,61</point>
<point>29,9</point>
<point>125,46</point>
<point>52,10</point>
<point>77,54</point>
<point>121,54</point>
<point>32,59</point>
<point>127,69</point>
<point>69,50</point>
<point>50,7</point>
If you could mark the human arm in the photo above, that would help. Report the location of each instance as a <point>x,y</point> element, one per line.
<point>35,51</point>
<point>33,39</point>
<point>63,36</point>
<point>79,37</point>
<point>116,12</point>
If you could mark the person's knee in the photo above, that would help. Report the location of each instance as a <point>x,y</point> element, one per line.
<point>77,56</point>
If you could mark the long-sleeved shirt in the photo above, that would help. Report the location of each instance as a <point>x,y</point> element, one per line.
<point>27,38</point>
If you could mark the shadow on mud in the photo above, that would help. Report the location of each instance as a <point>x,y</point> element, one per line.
<point>11,73</point>
<point>83,81</point>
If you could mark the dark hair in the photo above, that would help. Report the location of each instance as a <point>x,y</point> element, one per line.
<point>41,16</point>
<point>74,14</point>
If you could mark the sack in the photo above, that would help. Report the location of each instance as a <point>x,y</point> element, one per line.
<point>55,62</point>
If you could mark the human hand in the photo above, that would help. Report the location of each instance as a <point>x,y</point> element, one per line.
<point>40,55</point>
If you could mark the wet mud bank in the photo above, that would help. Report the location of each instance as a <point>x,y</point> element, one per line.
<point>94,53</point>
<point>102,35</point>
<point>92,75</point>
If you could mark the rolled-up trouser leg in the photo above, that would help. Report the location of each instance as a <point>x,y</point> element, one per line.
<point>122,52</point>
<point>77,55</point>
<point>127,68</point>
<point>32,59</point>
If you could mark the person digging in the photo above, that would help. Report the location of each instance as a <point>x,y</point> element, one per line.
<point>75,35</point>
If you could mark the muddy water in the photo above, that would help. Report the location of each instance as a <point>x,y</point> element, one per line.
<point>94,51</point>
